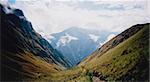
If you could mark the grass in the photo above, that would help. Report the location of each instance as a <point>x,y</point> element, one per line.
<point>113,64</point>
<point>32,66</point>
<point>119,63</point>
<point>126,61</point>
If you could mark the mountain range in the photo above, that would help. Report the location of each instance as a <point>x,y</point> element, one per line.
<point>77,43</point>
<point>27,56</point>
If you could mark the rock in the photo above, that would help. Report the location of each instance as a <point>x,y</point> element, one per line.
<point>96,79</point>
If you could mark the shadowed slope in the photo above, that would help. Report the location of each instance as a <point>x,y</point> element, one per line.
<point>26,56</point>
<point>24,53</point>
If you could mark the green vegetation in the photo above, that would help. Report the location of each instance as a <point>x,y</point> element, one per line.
<point>126,61</point>
<point>27,56</point>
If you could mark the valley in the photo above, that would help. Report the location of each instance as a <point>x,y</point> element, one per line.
<point>27,56</point>
<point>122,62</point>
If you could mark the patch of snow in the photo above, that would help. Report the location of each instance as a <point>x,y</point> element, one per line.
<point>93,37</point>
<point>65,40</point>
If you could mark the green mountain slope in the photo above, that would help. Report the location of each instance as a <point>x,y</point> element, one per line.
<point>26,56</point>
<point>115,41</point>
<point>128,60</point>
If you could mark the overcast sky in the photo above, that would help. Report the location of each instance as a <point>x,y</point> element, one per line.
<point>52,16</point>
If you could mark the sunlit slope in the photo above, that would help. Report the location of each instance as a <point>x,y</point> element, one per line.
<point>128,60</point>
<point>26,66</point>
<point>114,42</point>
<point>26,56</point>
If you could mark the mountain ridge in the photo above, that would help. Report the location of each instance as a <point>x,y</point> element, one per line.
<point>119,38</point>
<point>24,52</point>
<point>26,56</point>
<point>123,62</point>
<point>77,43</point>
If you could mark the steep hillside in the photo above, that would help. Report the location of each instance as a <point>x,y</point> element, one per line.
<point>126,61</point>
<point>125,57</point>
<point>115,41</point>
<point>26,56</point>
<point>24,53</point>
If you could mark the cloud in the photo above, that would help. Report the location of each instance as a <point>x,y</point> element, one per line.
<point>49,16</point>
<point>108,38</point>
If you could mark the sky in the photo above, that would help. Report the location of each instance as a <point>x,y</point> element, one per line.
<point>11,1</point>
<point>52,16</point>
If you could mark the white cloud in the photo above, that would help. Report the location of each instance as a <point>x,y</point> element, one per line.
<point>108,38</point>
<point>54,16</point>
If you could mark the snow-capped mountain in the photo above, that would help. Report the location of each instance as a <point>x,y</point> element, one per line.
<point>77,43</point>
<point>65,40</point>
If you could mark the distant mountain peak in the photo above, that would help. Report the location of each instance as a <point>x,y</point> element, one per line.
<point>77,43</point>
<point>65,40</point>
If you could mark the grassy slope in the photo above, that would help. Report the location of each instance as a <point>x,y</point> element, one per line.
<point>31,66</point>
<point>34,69</point>
<point>115,65</point>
